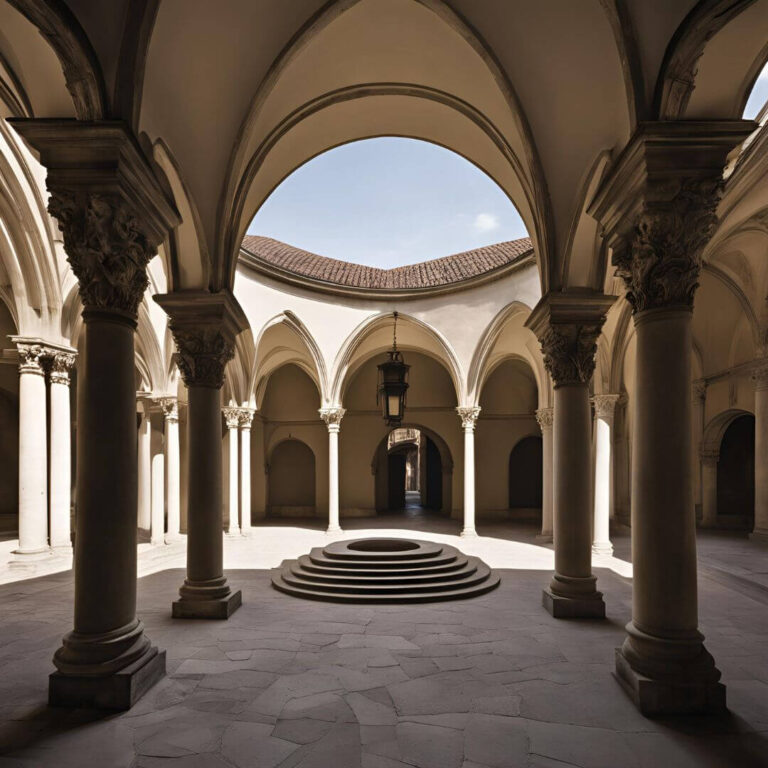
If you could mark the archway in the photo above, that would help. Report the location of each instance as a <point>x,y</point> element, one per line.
<point>525,477</point>
<point>736,475</point>
<point>291,480</point>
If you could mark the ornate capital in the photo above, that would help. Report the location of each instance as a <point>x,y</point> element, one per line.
<point>61,364</point>
<point>661,265</point>
<point>760,374</point>
<point>170,408</point>
<point>605,406</point>
<point>231,417</point>
<point>203,355</point>
<point>30,357</point>
<point>246,417</point>
<point>332,417</point>
<point>106,247</point>
<point>545,417</point>
<point>468,416</point>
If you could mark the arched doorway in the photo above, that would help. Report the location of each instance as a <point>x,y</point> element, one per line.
<point>525,477</point>
<point>291,480</point>
<point>413,472</point>
<point>736,475</point>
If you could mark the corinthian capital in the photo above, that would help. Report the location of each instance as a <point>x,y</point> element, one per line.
<point>605,405</point>
<point>545,417</point>
<point>231,417</point>
<point>332,416</point>
<point>568,326</point>
<point>246,418</point>
<point>468,415</point>
<point>170,408</point>
<point>61,364</point>
<point>31,357</point>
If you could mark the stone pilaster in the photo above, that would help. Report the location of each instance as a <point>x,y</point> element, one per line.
<point>332,417</point>
<point>657,207</point>
<point>204,327</point>
<point>469,416</point>
<point>568,326</point>
<point>113,215</point>
<point>545,418</point>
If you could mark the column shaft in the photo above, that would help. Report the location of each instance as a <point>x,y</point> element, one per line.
<point>172,476</point>
<point>145,472</point>
<point>545,418</point>
<point>601,534</point>
<point>158,499</point>
<point>333,479</point>
<point>245,476</point>
<point>33,456</point>
<point>760,531</point>
<point>61,453</point>
<point>709,490</point>
<point>469,483</point>
<point>233,422</point>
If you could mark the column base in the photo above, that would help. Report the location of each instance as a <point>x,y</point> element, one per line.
<point>172,538</point>
<point>656,698</point>
<point>544,538</point>
<point>118,691</point>
<point>602,548</point>
<point>62,550</point>
<point>469,533</point>
<point>760,535</point>
<point>28,561</point>
<point>233,534</point>
<point>584,607</point>
<point>246,532</point>
<point>218,608</point>
<point>333,529</point>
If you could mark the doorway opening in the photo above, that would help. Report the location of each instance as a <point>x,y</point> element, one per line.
<point>736,475</point>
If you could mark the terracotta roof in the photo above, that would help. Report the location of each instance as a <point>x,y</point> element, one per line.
<point>427,274</point>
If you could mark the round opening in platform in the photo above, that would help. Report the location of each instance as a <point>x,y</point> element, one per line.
<point>383,545</point>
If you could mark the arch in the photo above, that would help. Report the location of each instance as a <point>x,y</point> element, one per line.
<point>736,474</point>
<point>716,428</point>
<point>247,157</point>
<point>311,361</point>
<point>346,364</point>
<point>291,469</point>
<point>526,472</point>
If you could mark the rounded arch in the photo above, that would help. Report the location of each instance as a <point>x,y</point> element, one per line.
<point>716,429</point>
<point>267,358</point>
<point>291,470</point>
<point>526,472</point>
<point>362,345</point>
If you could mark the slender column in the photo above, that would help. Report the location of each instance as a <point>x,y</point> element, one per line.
<point>657,207</point>
<point>699,403</point>
<point>246,419</point>
<point>158,500</point>
<point>145,471</point>
<point>332,418</point>
<point>601,534</point>
<point>468,416</point>
<point>170,406</point>
<point>33,455</point>
<point>760,379</point>
<point>568,326</point>
<point>709,460</point>
<point>204,326</point>
<point>61,452</point>
<point>545,417</point>
<point>232,420</point>
<point>112,214</point>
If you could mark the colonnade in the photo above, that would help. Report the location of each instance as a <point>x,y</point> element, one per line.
<point>656,208</point>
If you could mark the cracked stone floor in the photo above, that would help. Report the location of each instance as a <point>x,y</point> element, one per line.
<point>491,682</point>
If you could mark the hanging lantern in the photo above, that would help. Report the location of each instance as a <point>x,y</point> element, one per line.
<point>393,384</point>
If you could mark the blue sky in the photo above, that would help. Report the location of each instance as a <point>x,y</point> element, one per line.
<point>388,202</point>
<point>759,95</point>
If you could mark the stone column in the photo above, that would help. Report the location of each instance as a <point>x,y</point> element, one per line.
<point>708,463</point>
<point>157,526</point>
<point>760,379</point>
<point>113,215</point>
<point>33,455</point>
<point>170,406</point>
<point>61,452</point>
<point>204,327</point>
<point>568,326</point>
<point>332,418</point>
<point>232,420</point>
<point>699,403</point>
<point>246,419</point>
<point>601,533</point>
<point>657,208</point>
<point>545,417</point>
<point>145,471</point>
<point>468,416</point>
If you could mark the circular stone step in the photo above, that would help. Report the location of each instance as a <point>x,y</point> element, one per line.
<point>380,570</point>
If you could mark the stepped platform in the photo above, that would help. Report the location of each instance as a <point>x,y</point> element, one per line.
<point>381,570</point>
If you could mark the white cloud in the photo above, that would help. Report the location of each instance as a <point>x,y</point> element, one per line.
<point>485,222</point>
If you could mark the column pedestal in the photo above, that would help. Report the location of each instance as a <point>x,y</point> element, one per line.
<point>468,418</point>
<point>545,418</point>
<point>332,418</point>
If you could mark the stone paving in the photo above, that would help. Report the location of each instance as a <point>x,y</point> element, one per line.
<point>491,682</point>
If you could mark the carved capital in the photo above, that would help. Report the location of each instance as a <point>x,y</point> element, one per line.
<point>605,405</point>
<point>760,374</point>
<point>468,416</point>
<point>61,364</point>
<point>545,417</point>
<point>31,358</point>
<point>202,355</point>
<point>231,417</point>
<point>170,408</point>
<point>332,417</point>
<point>246,417</point>
<point>661,265</point>
<point>106,247</point>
